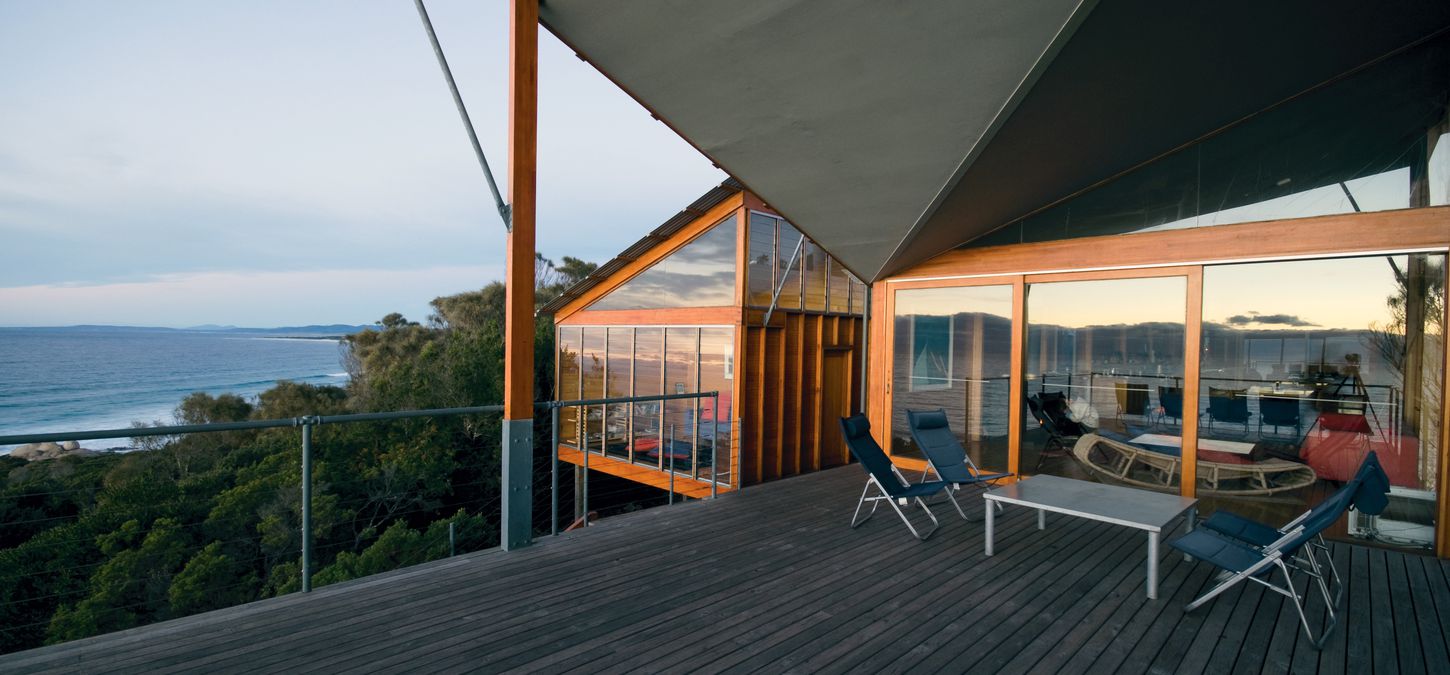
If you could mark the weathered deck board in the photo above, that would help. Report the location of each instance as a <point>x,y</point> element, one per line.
<point>772,579</point>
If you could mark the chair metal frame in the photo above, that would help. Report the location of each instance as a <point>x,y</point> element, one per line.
<point>896,504</point>
<point>977,473</point>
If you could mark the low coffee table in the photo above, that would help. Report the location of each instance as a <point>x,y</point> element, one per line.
<point>1129,507</point>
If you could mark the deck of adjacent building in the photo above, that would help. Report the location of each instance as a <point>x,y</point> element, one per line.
<point>773,579</point>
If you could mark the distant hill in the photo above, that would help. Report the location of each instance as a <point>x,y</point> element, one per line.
<point>309,331</point>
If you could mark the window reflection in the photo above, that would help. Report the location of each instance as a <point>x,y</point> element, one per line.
<point>838,283</point>
<point>788,266</point>
<point>953,351</point>
<point>699,274</point>
<point>717,372</point>
<point>618,378</point>
<point>593,355</point>
<point>681,377</point>
<point>760,266</point>
<point>649,380</point>
<point>1341,358</point>
<point>1105,358</point>
<point>568,384</point>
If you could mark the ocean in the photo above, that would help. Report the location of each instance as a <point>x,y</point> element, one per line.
<point>79,379</point>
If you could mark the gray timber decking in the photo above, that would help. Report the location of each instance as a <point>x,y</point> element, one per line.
<point>772,579</point>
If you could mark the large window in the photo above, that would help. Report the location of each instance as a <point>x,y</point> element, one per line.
<point>699,274</point>
<point>1105,357</point>
<point>1319,362</point>
<point>953,352</point>
<point>621,361</point>
<point>1374,141</point>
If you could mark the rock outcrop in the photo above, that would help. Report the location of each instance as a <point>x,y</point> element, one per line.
<point>38,451</point>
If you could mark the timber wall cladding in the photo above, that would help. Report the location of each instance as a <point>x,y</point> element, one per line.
<point>783,414</point>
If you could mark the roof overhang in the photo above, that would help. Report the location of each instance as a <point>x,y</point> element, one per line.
<point>890,132</point>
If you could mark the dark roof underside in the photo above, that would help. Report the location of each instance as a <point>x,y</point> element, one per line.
<point>890,132</point>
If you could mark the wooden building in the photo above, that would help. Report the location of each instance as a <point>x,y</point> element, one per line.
<point>726,296</point>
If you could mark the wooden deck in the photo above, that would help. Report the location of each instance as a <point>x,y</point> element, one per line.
<point>773,579</point>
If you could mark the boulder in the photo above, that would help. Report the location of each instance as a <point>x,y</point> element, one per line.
<point>70,446</point>
<point>26,452</point>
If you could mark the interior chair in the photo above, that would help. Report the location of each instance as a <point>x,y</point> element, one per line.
<point>1279,411</point>
<point>1171,400</point>
<point>1132,399</point>
<point>1229,406</point>
<point>1049,408</point>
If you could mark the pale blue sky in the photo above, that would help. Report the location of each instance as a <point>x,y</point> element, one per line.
<point>275,163</point>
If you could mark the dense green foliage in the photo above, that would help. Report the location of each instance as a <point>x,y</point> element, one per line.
<point>188,524</point>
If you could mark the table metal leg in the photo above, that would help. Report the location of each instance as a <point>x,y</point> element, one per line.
<point>991,518</point>
<point>1152,565</point>
<point>1192,523</point>
<point>1041,519</point>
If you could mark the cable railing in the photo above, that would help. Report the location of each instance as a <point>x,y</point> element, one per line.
<point>358,500</point>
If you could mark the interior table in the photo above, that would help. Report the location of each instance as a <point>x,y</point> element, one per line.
<point>1151,512</point>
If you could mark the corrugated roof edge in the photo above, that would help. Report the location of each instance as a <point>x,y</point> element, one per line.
<point>696,209</point>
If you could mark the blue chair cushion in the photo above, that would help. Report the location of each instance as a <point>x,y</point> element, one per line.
<point>1241,528</point>
<point>1216,550</point>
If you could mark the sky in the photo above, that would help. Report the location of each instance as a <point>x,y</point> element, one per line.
<point>256,163</point>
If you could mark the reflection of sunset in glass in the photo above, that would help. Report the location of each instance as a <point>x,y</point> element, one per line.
<point>1343,293</point>
<point>1078,304</point>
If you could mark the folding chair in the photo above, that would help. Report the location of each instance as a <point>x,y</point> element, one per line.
<point>884,476</point>
<point>1369,487</point>
<point>1243,562</point>
<point>945,457</point>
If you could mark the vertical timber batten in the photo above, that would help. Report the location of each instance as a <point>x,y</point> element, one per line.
<point>516,524</point>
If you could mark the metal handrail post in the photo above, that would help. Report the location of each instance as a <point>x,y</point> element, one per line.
<point>554,470</point>
<point>306,504</point>
<point>671,452</point>
<point>452,541</point>
<point>584,445</point>
<point>715,449</point>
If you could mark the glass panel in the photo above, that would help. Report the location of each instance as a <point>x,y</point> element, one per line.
<point>717,365</point>
<point>593,354</point>
<point>568,384</point>
<point>1370,142</point>
<point>761,260</point>
<point>618,378</point>
<point>858,296</point>
<point>649,375</point>
<point>838,283</point>
<point>953,350</point>
<point>1342,357</point>
<point>699,274</point>
<point>813,268</point>
<point>1105,357</point>
<point>788,267</point>
<point>681,377</point>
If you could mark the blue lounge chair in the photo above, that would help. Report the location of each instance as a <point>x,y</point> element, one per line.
<point>945,457</point>
<point>883,475</point>
<point>1370,487</point>
<point>1240,561</point>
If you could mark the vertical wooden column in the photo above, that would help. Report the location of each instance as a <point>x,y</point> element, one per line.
<point>1017,386</point>
<point>516,523</point>
<point>1192,351</point>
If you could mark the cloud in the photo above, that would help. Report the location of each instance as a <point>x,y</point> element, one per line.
<point>258,299</point>
<point>1268,320</point>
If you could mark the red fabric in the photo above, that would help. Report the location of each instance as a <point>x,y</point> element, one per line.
<point>1222,457</point>
<point>1336,455</point>
<point>1343,422</point>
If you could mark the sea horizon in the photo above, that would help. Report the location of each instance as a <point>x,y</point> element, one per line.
<point>72,379</point>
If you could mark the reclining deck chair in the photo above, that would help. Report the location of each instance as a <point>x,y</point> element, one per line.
<point>945,457</point>
<point>1241,561</point>
<point>888,481</point>
<point>1371,487</point>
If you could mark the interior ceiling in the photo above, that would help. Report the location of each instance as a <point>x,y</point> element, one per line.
<point>891,132</point>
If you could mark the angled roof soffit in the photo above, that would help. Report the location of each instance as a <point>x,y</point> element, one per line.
<point>848,117</point>
<point>892,132</point>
